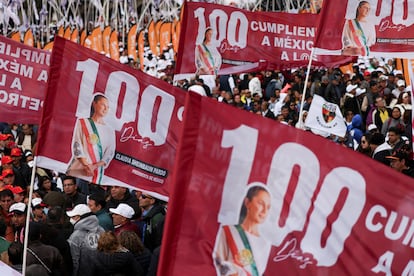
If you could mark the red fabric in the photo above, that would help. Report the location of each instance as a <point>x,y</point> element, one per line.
<point>23,81</point>
<point>332,209</point>
<point>286,44</point>
<point>145,113</point>
<point>393,24</point>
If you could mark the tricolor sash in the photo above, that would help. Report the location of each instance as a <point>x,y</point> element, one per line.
<point>358,36</point>
<point>93,139</point>
<point>242,256</point>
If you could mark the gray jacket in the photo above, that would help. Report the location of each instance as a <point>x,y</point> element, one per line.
<point>85,236</point>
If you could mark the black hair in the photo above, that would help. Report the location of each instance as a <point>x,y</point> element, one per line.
<point>68,177</point>
<point>6,193</point>
<point>15,252</point>
<point>99,199</point>
<point>251,193</point>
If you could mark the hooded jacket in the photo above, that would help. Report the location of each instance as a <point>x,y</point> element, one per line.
<point>85,235</point>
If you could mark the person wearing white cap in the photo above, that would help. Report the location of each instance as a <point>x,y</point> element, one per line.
<point>121,217</point>
<point>18,211</point>
<point>38,215</point>
<point>399,89</point>
<point>351,102</point>
<point>86,232</point>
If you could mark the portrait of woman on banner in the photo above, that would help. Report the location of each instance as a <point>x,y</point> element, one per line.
<point>359,33</point>
<point>93,143</point>
<point>240,249</point>
<point>207,58</point>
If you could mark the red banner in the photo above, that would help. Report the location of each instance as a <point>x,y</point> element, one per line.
<point>23,81</point>
<point>214,37</point>
<point>108,123</point>
<point>256,195</point>
<point>367,28</point>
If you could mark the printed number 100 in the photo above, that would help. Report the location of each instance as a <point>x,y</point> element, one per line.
<point>285,158</point>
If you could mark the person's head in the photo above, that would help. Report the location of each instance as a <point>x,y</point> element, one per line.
<point>396,112</point>
<point>78,212</point>
<point>6,199</point>
<point>256,205</point>
<point>108,243</point>
<point>365,140</point>
<point>8,176</point>
<point>45,183</point>
<point>6,162</point>
<point>363,9</point>
<point>15,252</point>
<point>118,192</point>
<point>18,214</point>
<point>55,215</point>
<point>99,106</point>
<point>380,102</point>
<point>401,85</point>
<point>27,129</point>
<point>146,201</point>
<point>376,140</point>
<point>16,154</point>
<point>121,214</point>
<point>131,241</point>
<point>18,193</point>
<point>96,202</point>
<point>285,111</point>
<point>208,34</point>
<point>38,207</point>
<point>393,135</point>
<point>69,185</point>
<point>400,158</point>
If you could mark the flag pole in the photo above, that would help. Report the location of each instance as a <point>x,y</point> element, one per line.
<point>305,85</point>
<point>29,211</point>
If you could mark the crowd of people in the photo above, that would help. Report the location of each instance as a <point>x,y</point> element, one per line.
<point>79,228</point>
<point>374,99</point>
<point>76,227</point>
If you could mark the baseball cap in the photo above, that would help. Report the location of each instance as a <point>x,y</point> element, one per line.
<point>17,190</point>
<point>6,159</point>
<point>372,127</point>
<point>7,172</point>
<point>79,210</point>
<point>351,87</point>
<point>37,202</point>
<point>360,91</point>
<point>400,83</point>
<point>123,210</point>
<point>16,152</point>
<point>17,208</point>
<point>398,155</point>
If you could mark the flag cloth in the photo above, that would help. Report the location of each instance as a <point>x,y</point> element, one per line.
<point>366,28</point>
<point>311,207</point>
<point>231,39</point>
<point>133,142</point>
<point>24,74</point>
<point>326,117</point>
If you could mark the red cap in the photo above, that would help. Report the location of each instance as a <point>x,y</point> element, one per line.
<point>367,73</point>
<point>3,137</point>
<point>7,172</point>
<point>6,160</point>
<point>16,152</point>
<point>17,190</point>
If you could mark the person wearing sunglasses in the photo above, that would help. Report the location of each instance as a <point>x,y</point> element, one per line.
<point>153,216</point>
